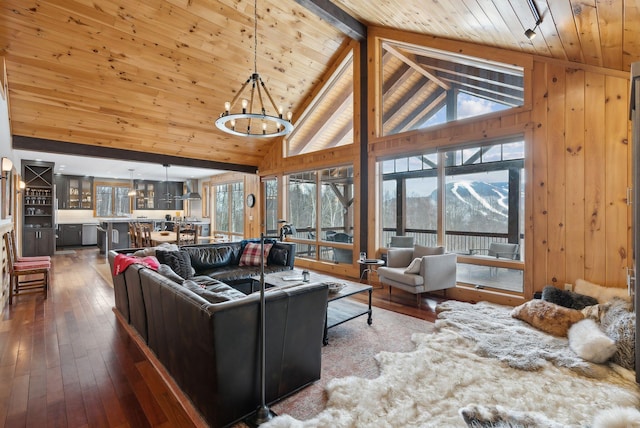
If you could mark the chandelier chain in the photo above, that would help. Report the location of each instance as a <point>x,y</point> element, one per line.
<point>255,36</point>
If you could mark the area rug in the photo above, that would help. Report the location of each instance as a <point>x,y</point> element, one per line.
<point>445,375</point>
<point>351,351</point>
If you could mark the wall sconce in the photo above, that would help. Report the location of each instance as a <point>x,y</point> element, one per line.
<point>6,165</point>
<point>21,185</point>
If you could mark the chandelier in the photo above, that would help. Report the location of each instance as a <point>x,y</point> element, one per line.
<point>248,122</point>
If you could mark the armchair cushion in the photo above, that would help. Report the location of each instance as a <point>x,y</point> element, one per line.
<point>421,251</point>
<point>414,267</point>
<point>400,257</point>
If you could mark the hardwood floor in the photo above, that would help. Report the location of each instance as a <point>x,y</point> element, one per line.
<point>66,361</point>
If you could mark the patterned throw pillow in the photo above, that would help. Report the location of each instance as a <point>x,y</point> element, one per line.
<point>251,254</point>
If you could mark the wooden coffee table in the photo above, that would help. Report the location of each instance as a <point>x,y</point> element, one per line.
<point>339,309</point>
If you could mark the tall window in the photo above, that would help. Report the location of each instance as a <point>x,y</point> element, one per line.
<point>229,210</point>
<point>271,206</point>
<point>112,199</point>
<point>422,87</point>
<point>321,209</point>
<point>483,194</point>
<point>328,121</point>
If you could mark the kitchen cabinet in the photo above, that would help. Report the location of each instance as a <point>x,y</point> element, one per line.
<point>145,195</point>
<point>74,193</point>
<point>38,210</point>
<point>69,235</point>
<point>158,195</point>
<point>37,242</point>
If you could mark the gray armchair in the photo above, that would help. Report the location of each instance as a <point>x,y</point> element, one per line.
<point>436,271</point>
<point>499,250</point>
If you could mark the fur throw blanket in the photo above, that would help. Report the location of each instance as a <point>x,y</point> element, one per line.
<point>497,334</point>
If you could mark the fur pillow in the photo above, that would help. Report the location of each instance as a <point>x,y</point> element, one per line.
<point>414,267</point>
<point>476,416</point>
<point>618,321</point>
<point>617,417</point>
<point>566,298</point>
<point>548,317</point>
<point>590,343</point>
<point>603,294</point>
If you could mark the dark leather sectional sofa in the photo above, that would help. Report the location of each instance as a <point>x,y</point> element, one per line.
<point>211,349</point>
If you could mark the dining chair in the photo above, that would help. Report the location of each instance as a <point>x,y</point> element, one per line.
<point>187,234</point>
<point>144,235</point>
<point>13,247</point>
<point>26,277</point>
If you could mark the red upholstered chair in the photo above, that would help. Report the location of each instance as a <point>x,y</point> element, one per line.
<point>14,248</point>
<point>26,276</point>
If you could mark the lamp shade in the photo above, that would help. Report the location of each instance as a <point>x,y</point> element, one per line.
<point>7,164</point>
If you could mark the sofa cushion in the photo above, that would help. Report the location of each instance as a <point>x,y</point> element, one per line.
<point>278,256</point>
<point>203,258</point>
<point>251,255</point>
<point>398,275</point>
<point>167,272</point>
<point>421,251</point>
<point>212,296</point>
<point>178,261</point>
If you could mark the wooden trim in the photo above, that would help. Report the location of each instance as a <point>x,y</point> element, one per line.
<point>186,404</point>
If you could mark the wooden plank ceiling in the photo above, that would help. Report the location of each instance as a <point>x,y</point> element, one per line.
<point>152,76</point>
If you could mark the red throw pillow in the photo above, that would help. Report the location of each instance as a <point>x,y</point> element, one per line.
<point>251,254</point>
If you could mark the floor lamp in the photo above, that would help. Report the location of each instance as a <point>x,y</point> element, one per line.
<point>263,413</point>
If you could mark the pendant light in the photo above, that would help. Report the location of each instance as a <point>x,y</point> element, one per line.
<point>248,122</point>
<point>132,191</point>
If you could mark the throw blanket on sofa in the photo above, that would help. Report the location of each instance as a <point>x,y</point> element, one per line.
<point>123,261</point>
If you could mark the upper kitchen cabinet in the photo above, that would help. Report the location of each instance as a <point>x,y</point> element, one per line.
<point>158,195</point>
<point>145,195</point>
<point>74,193</point>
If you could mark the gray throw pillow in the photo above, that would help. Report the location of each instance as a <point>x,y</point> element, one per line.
<point>278,256</point>
<point>178,261</point>
<point>167,272</point>
<point>421,251</point>
<point>210,296</point>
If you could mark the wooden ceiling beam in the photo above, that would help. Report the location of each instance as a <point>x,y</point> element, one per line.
<point>336,17</point>
<point>62,147</point>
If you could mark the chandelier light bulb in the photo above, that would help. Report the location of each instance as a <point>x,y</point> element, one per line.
<point>233,124</point>
<point>280,110</point>
<point>289,116</point>
<point>264,127</point>
<point>227,107</point>
<point>245,103</point>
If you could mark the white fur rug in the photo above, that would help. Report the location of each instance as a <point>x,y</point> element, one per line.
<point>429,386</point>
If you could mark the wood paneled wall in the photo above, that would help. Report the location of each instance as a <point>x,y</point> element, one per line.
<point>580,224</point>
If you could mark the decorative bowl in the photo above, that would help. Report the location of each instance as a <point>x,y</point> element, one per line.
<point>335,287</point>
<point>164,233</point>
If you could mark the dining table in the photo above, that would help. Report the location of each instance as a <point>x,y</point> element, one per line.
<point>158,237</point>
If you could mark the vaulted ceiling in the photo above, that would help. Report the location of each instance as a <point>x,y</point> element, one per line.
<point>152,76</point>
